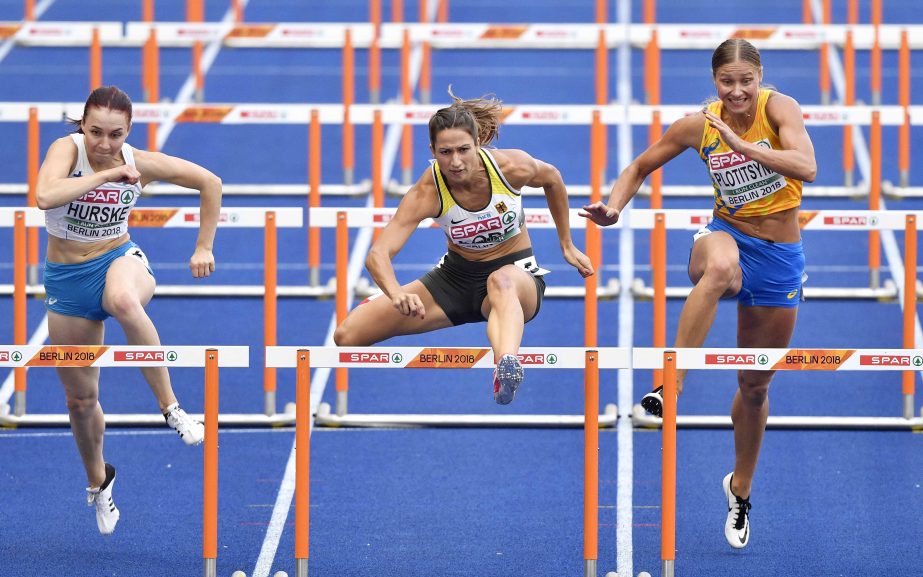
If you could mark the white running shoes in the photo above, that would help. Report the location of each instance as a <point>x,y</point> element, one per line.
<point>107,514</point>
<point>737,526</point>
<point>190,431</point>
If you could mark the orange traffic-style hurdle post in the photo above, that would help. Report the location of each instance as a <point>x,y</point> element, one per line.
<point>342,264</point>
<point>426,80</point>
<point>591,463</point>
<point>302,461</point>
<point>151,67</point>
<point>668,505</point>
<point>238,8</point>
<point>442,12</point>
<point>210,476</point>
<point>378,189</point>
<point>824,68</point>
<point>659,274</point>
<point>910,307</point>
<point>32,165</point>
<point>195,12</point>
<point>19,307</point>
<point>876,53</point>
<point>875,199</point>
<point>593,238</point>
<point>270,278</point>
<point>806,17</point>
<point>349,96</point>
<point>903,81</point>
<point>96,61</point>
<point>849,96</point>
<point>406,97</point>
<point>375,52</point>
<point>314,152</point>
<point>29,11</point>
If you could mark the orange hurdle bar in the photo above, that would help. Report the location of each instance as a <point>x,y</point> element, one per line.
<point>342,264</point>
<point>806,17</point>
<point>32,166</point>
<point>650,11</point>
<point>238,9</point>
<point>28,12</point>
<point>147,10</point>
<point>270,278</point>
<point>875,199</point>
<point>195,12</point>
<point>442,13</point>
<point>302,461</point>
<point>375,53</point>
<point>668,506</point>
<point>910,307</point>
<point>314,144</point>
<point>849,65</point>
<point>96,61</point>
<point>397,11</point>
<point>406,97</point>
<point>876,55</point>
<point>349,96</point>
<point>591,462</point>
<point>210,476</point>
<point>601,6</point>
<point>903,95</point>
<point>19,307</point>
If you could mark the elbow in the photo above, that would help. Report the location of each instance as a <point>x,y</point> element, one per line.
<point>42,200</point>
<point>811,173</point>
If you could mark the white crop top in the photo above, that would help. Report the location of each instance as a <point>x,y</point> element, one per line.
<point>501,218</point>
<point>101,213</point>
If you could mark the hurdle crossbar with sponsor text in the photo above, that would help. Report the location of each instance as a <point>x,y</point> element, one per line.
<point>670,360</point>
<point>304,358</point>
<point>211,358</point>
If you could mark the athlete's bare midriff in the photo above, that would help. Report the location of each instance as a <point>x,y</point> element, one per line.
<point>779,226</point>
<point>65,251</point>
<point>519,242</point>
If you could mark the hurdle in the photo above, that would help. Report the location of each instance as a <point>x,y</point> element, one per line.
<point>669,360</point>
<point>304,358</point>
<point>183,217</point>
<point>211,358</point>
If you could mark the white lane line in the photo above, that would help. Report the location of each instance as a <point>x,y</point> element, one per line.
<point>322,375</point>
<point>625,447</point>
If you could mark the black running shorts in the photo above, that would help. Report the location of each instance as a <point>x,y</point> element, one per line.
<point>459,286</point>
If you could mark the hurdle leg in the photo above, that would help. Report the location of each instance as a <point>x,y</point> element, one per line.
<point>210,476</point>
<point>591,463</point>
<point>19,308</point>
<point>668,506</point>
<point>302,460</point>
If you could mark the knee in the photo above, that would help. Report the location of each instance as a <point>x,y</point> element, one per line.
<point>754,389</point>
<point>721,274</point>
<point>499,282</point>
<point>124,305</point>
<point>82,403</point>
<point>345,336</point>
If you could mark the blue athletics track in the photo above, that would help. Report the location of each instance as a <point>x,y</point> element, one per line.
<point>458,501</point>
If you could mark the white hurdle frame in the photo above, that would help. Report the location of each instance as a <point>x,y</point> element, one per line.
<point>211,358</point>
<point>304,358</point>
<point>669,360</point>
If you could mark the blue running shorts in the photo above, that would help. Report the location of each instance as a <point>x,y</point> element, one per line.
<point>76,290</point>
<point>772,271</point>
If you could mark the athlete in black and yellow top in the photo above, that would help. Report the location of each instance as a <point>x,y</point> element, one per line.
<point>757,152</point>
<point>489,272</point>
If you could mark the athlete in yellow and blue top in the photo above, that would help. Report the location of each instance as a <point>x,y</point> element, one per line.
<point>757,153</point>
<point>489,272</point>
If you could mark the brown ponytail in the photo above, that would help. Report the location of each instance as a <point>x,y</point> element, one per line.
<point>479,117</point>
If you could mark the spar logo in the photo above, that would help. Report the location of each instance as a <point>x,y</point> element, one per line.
<point>475,228</point>
<point>538,219</point>
<point>107,196</point>
<point>891,360</point>
<point>700,219</point>
<point>145,356</point>
<point>359,357</point>
<point>848,220</point>
<point>537,359</point>
<point>735,359</point>
<point>7,356</point>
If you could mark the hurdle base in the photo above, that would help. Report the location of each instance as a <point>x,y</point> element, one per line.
<point>325,418</point>
<point>641,419</point>
<point>886,292</point>
<point>149,420</point>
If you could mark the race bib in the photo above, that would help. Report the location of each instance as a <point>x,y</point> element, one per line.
<point>741,180</point>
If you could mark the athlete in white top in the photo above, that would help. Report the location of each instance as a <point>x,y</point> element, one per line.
<point>87,185</point>
<point>489,272</point>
